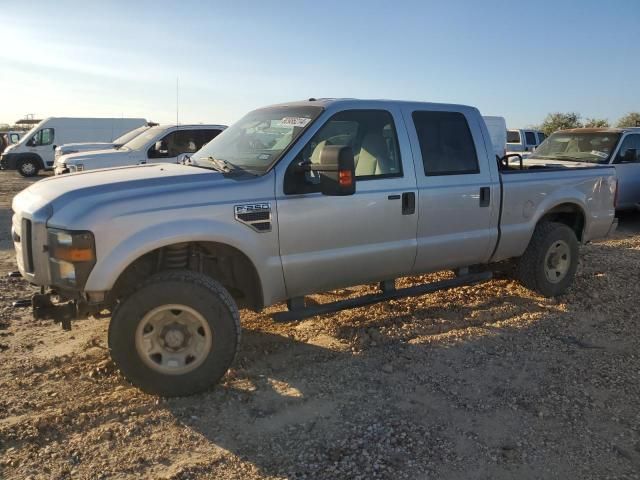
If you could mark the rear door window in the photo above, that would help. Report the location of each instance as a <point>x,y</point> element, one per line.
<point>530,137</point>
<point>513,136</point>
<point>446,143</point>
<point>541,137</point>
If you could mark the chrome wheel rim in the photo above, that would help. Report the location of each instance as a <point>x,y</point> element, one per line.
<point>173,339</point>
<point>28,168</point>
<point>557,261</point>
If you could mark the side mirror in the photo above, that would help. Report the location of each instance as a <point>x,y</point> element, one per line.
<point>630,156</point>
<point>161,147</point>
<point>337,171</point>
<point>31,142</point>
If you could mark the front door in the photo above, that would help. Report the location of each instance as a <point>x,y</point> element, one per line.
<point>327,242</point>
<point>628,172</point>
<point>458,200</point>
<point>41,143</point>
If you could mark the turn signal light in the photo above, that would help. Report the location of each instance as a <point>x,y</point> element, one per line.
<point>73,255</point>
<point>345,178</point>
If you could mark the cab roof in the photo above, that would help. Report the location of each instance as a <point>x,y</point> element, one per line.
<point>354,102</point>
<point>600,130</point>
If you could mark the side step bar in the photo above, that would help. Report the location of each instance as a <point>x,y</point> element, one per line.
<point>387,294</point>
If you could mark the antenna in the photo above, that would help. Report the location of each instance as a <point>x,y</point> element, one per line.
<point>177,90</point>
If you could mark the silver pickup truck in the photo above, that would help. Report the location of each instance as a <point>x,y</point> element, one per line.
<point>294,199</point>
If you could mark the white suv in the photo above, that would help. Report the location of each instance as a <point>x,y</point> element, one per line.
<point>163,143</point>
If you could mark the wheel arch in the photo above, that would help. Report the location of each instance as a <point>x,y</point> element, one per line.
<point>569,213</point>
<point>221,261</point>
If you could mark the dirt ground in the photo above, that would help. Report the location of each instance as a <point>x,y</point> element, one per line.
<point>488,381</point>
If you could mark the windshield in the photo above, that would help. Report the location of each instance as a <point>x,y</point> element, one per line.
<point>143,139</point>
<point>593,147</point>
<point>127,137</point>
<point>257,141</point>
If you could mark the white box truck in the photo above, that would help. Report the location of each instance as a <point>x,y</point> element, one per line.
<point>497,127</point>
<point>36,149</point>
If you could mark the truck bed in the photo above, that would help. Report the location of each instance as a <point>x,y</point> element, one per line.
<point>529,192</point>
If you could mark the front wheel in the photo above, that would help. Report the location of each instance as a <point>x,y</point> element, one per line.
<point>28,167</point>
<point>176,335</point>
<point>551,259</point>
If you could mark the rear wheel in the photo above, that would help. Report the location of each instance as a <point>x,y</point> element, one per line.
<point>176,335</point>
<point>551,259</point>
<point>28,167</point>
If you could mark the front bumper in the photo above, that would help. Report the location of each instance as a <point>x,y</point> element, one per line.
<point>44,308</point>
<point>8,161</point>
<point>60,170</point>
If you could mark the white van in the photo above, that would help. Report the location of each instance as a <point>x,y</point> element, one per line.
<point>160,144</point>
<point>35,150</point>
<point>497,127</point>
<point>69,148</point>
<point>522,140</point>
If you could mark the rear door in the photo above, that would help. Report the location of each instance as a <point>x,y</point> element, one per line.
<point>326,241</point>
<point>457,197</point>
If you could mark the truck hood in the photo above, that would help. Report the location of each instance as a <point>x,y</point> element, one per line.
<point>104,194</point>
<point>85,146</point>
<point>95,156</point>
<point>557,163</point>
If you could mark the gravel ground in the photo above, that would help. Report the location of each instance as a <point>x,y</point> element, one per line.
<point>487,381</point>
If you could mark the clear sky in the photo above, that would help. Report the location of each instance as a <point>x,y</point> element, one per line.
<point>513,58</point>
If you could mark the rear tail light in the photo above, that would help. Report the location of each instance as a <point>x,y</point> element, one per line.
<point>613,188</point>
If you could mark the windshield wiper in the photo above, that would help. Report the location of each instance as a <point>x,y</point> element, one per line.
<point>222,165</point>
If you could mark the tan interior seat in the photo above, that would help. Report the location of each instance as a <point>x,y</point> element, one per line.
<point>373,158</point>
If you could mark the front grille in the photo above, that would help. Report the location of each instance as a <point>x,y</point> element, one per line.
<point>27,245</point>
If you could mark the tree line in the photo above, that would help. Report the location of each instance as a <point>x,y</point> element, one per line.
<point>562,121</point>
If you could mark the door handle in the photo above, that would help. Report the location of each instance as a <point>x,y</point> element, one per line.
<point>485,196</point>
<point>408,203</point>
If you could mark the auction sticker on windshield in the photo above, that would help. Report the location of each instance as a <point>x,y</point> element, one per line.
<point>599,154</point>
<point>293,122</point>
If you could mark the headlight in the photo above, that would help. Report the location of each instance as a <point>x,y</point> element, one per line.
<point>72,255</point>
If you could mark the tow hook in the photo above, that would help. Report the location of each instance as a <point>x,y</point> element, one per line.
<point>45,309</point>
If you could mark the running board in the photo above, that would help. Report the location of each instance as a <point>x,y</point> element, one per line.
<point>389,294</point>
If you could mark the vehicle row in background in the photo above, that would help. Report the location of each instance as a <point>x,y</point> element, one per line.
<point>69,148</point>
<point>159,144</point>
<point>9,138</point>
<point>35,151</point>
<point>522,140</point>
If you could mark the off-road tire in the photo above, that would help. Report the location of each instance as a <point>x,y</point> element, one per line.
<point>28,167</point>
<point>203,294</point>
<point>530,270</point>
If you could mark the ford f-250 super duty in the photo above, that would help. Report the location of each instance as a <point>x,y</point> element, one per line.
<point>295,199</point>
